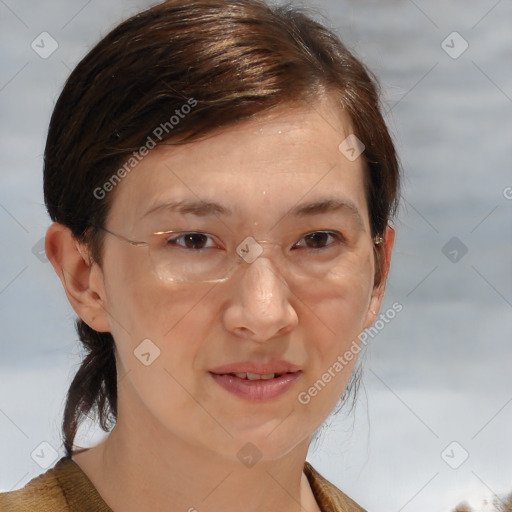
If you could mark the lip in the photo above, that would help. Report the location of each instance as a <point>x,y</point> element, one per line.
<point>257,390</point>
<point>275,366</point>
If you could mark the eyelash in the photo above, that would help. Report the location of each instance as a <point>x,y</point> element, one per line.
<point>337,236</point>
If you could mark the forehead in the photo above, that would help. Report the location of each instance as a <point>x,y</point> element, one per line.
<point>257,168</point>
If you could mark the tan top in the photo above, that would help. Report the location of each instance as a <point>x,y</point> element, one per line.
<point>66,488</point>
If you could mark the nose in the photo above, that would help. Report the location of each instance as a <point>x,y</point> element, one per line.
<point>259,307</point>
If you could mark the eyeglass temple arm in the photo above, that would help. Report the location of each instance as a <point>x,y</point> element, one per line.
<point>121,237</point>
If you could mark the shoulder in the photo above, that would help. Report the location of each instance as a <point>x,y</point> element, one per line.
<point>328,496</point>
<point>43,493</point>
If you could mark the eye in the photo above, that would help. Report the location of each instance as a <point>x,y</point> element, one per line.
<point>320,239</point>
<point>193,240</point>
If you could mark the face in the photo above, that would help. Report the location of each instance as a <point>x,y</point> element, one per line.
<point>304,300</point>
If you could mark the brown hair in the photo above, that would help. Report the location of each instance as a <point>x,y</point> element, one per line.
<point>235,59</point>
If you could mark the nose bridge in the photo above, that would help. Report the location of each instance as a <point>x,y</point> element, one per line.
<point>266,268</point>
<point>262,257</point>
<point>262,286</point>
<point>259,307</point>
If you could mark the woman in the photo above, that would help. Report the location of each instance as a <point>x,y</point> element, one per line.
<point>220,180</point>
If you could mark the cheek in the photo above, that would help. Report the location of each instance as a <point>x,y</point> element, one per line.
<point>334,343</point>
<point>342,309</point>
<point>158,343</point>
<point>176,318</point>
<point>139,302</point>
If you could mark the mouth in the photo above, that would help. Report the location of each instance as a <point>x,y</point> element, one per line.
<point>255,386</point>
<point>256,376</point>
<point>256,370</point>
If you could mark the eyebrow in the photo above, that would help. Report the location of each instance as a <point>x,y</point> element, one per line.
<point>327,205</point>
<point>203,208</point>
<point>199,207</point>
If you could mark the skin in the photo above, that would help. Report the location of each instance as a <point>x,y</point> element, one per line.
<point>178,433</point>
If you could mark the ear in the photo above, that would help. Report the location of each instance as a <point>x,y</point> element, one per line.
<point>385,261</point>
<point>81,278</point>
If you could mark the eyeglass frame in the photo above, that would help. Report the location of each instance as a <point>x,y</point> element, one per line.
<point>377,240</point>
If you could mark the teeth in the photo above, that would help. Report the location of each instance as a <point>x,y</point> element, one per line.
<point>255,376</point>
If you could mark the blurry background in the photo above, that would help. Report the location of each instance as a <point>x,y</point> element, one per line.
<point>433,423</point>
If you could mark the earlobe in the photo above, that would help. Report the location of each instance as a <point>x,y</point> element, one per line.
<point>70,260</point>
<point>379,289</point>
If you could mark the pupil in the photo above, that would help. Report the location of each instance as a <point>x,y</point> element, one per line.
<point>195,239</point>
<point>318,239</point>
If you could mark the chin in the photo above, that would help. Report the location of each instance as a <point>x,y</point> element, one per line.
<point>263,444</point>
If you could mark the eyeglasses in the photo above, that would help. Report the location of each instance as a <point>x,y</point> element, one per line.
<point>184,256</point>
